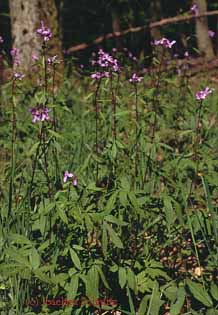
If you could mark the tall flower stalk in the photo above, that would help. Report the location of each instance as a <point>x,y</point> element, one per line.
<point>135,79</point>
<point>106,66</point>
<point>200,96</point>
<point>96,107</point>
<point>13,141</point>
<point>114,106</point>
<point>165,43</point>
<point>46,35</point>
<point>53,61</point>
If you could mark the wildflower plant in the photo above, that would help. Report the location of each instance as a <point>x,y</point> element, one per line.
<point>165,42</point>
<point>112,190</point>
<point>44,33</point>
<point>201,95</point>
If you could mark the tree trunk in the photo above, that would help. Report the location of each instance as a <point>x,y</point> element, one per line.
<point>116,25</point>
<point>25,19</point>
<point>155,13</point>
<point>204,42</point>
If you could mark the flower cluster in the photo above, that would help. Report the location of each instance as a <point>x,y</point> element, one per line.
<point>1,40</point>
<point>53,60</point>
<point>194,9</point>
<point>18,76</point>
<point>15,54</point>
<point>106,61</point>
<point>72,176</point>
<point>40,113</point>
<point>211,33</point>
<point>135,78</point>
<point>201,95</point>
<point>164,42</point>
<point>44,32</point>
<point>99,75</point>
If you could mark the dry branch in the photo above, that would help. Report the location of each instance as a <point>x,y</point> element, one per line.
<point>167,21</point>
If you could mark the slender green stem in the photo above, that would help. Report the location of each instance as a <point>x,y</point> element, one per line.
<point>96,126</point>
<point>136,133</point>
<point>13,140</point>
<point>155,103</point>
<point>113,98</point>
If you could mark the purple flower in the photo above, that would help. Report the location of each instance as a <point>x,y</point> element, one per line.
<point>75,181</point>
<point>18,76</point>
<point>53,60</point>
<point>100,75</point>
<point>15,54</point>
<point>40,113</point>
<point>201,95</point>
<point>1,40</point>
<point>211,33</point>
<point>135,78</point>
<point>194,9</point>
<point>70,175</point>
<point>35,57</point>
<point>105,60</point>
<point>164,42</point>
<point>44,32</point>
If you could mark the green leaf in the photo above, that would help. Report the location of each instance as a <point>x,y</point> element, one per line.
<point>93,187</point>
<point>34,259</point>
<point>143,305</point>
<point>212,311</point>
<point>110,203</point>
<point>123,198</point>
<point>214,291</point>
<point>42,276</point>
<point>18,257</point>
<point>19,239</point>
<point>131,279</point>
<point>199,293</point>
<point>114,237</point>
<point>114,150</point>
<point>72,287</point>
<point>122,113</point>
<point>155,301</point>
<point>104,241</point>
<point>113,219</point>
<point>62,215</point>
<point>78,247</point>
<point>135,203</point>
<point>55,134</point>
<point>171,293</point>
<point>177,306</point>
<point>122,277</point>
<point>214,217</point>
<point>131,304</point>
<point>33,149</point>
<point>168,208</point>
<point>75,259</point>
<point>101,274</point>
<point>92,284</point>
